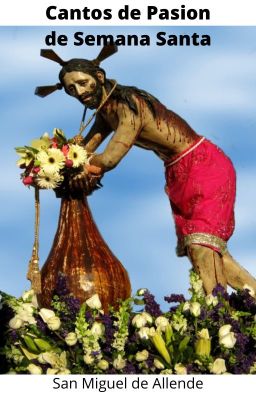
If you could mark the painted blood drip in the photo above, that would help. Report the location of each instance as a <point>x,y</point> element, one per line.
<point>178,129</point>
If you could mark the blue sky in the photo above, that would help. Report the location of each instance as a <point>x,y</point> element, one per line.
<point>213,88</point>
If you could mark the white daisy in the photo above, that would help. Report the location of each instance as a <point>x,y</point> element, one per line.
<point>77,154</point>
<point>51,160</point>
<point>48,180</point>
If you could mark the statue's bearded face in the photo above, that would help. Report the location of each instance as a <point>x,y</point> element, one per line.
<point>84,87</point>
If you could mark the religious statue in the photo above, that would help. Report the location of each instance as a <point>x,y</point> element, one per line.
<point>200,178</point>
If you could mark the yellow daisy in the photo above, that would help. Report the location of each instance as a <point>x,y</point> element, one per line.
<point>47,180</point>
<point>77,154</point>
<point>51,160</point>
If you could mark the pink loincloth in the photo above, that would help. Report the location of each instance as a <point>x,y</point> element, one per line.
<point>201,186</point>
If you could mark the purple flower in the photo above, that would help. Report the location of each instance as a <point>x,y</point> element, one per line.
<point>73,306</point>
<point>242,341</point>
<point>215,313</point>
<point>13,335</point>
<point>63,293</point>
<point>190,369</point>
<point>175,298</point>
<point>61,288</point>
<point>151,306</point>
<point>40,324</point>
<point>63,332</point>
<point>109,333</point>
<point>130,369</point>
<point>243,364</point>
<point>95,353</point>
<point>173,309</point>
<point>88,317</point>
<point>243,301</point>
<point>234,323</point>
<point>150,361</point>
<point>193,369</point>
<point>203,314</point>
<point>220,291</point>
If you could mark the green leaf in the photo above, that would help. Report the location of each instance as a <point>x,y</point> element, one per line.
<point>59,135</point>
<point>171,349</point>
<point>168,334</point>
<point>183,344</point>
<point>20,150</point>
<point>30,344</point>
<point>32,149</point>
<point>42,344</point>
<point>57,132</point>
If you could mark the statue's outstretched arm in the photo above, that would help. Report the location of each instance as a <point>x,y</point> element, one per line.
<point>129,127</point>
<point>97,134</point>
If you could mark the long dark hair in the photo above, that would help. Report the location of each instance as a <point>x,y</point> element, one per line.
<point>124,94</point>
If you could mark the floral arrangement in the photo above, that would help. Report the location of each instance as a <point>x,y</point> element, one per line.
<point>48,160</point>
<point>214,334</point>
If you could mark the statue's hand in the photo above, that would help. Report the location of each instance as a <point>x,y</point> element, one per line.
<point>88,180</point>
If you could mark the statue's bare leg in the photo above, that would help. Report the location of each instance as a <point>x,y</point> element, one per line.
<point>236,275</point>
<point>209,266</point>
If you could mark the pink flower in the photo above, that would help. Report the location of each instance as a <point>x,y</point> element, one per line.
<point>36,170</point>
<point>65,149</point>
<point>69,163</point>
<point>28,180</point>
<point>54,143</point>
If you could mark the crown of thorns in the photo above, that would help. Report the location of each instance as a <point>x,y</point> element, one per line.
<point>44,91</point>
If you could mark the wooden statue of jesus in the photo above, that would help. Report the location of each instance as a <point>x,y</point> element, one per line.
<point>200,178</point>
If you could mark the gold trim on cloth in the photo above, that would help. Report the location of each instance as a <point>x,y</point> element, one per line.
<point>201,238</point>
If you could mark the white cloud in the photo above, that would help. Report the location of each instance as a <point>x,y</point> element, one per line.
<point>216,82</point>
